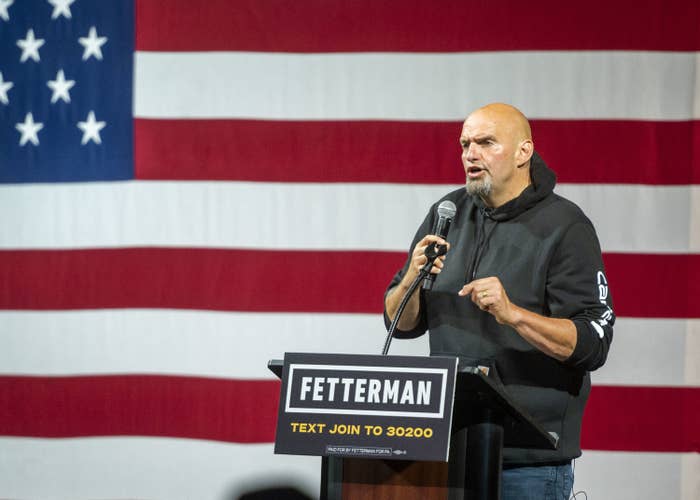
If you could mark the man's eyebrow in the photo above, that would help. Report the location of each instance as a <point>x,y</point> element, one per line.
<point>478,139</point>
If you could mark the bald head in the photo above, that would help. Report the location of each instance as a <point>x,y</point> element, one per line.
<point>508,119</point>
<point>496,150</point>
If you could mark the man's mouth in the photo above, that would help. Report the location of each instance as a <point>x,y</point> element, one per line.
<point>474,172</point>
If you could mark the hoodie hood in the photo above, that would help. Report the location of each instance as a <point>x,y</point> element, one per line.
<point>542,184</point>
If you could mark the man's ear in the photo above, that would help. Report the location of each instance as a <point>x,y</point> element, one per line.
<point>524,152</point>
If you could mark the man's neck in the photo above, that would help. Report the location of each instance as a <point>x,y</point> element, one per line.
<point>496,200</point>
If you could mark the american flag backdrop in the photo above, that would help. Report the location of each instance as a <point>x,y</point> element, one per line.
<point>192,188</point>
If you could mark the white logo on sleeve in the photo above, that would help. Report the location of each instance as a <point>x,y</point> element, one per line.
<point>598,329</point>
<point>602,297</point>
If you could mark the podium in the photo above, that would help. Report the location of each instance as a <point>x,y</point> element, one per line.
<point>484,420</point>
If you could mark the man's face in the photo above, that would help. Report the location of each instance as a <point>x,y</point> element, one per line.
<point>488,156</point>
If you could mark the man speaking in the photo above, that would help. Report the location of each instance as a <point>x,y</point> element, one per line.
<point>521,290</point>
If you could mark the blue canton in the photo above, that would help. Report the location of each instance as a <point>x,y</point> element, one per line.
<point>66,75</point>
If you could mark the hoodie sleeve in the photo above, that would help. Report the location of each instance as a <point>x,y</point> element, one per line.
<point>577,288</point>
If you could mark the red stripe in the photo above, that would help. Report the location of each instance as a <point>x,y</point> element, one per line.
<point>625,152</point>
<point>654,286</point>
<point>139,405</point>
<point>188,278</point>
<point>617,418</point>
<point>416,25</point>
<point>642,419</point>
<point>283,281</point>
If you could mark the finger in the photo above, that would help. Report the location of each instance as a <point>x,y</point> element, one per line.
<point>434,249</point>
<point>479,293</point>
<point>432,238</point>
<point>466,290</point>
<point>419,263</point>
<point>480,283</point>
<point>438,240</point>
<point>421,249</point>
<point>488,300</point>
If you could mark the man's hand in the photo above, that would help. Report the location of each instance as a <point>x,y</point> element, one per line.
<point>418,258</point>
<point>489,295</point>
<point>409,320</point>
<point>555,337</point>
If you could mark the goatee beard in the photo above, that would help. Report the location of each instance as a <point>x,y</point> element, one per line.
<point>481,187</point>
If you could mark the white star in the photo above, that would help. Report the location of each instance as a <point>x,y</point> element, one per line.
<point>92,44</point>
<point>29,130</point>
<point>61,7</point>
<point>60,87</point>
<point>4,5</point>
<point>91,129</point>
<point>4,87</point>
<point>30,47</point>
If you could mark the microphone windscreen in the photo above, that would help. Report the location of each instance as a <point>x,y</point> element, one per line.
<point>447,209</point>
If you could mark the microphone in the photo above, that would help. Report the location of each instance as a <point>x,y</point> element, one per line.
<point>446,212</point>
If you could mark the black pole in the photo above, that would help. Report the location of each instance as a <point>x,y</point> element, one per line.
<point>331,478</point>
<point>484,461</point>
<point>324,479</point>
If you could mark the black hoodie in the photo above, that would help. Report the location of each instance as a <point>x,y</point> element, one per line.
<point>546,254</point>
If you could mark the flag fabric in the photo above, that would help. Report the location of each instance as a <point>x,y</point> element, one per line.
<point>65,106</point>
<point>192,188</point>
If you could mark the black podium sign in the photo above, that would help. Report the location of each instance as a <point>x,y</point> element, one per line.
<point>397,407</point>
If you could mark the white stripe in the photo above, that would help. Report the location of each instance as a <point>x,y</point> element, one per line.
<point>628,218</point>
<point>650,352</point>
<point>692,354</point>
<point>636,476</point>
<point>547,84</point>
<point>239,345</point>
<point>690,479</point>
<point>218,344</point>
<point>141,468</point>
<point>120,468</point>
<point>638,218</point>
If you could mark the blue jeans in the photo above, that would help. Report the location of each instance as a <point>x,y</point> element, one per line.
<point>545,482</point>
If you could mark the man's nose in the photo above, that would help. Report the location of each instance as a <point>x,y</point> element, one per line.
<point>471,153</point>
